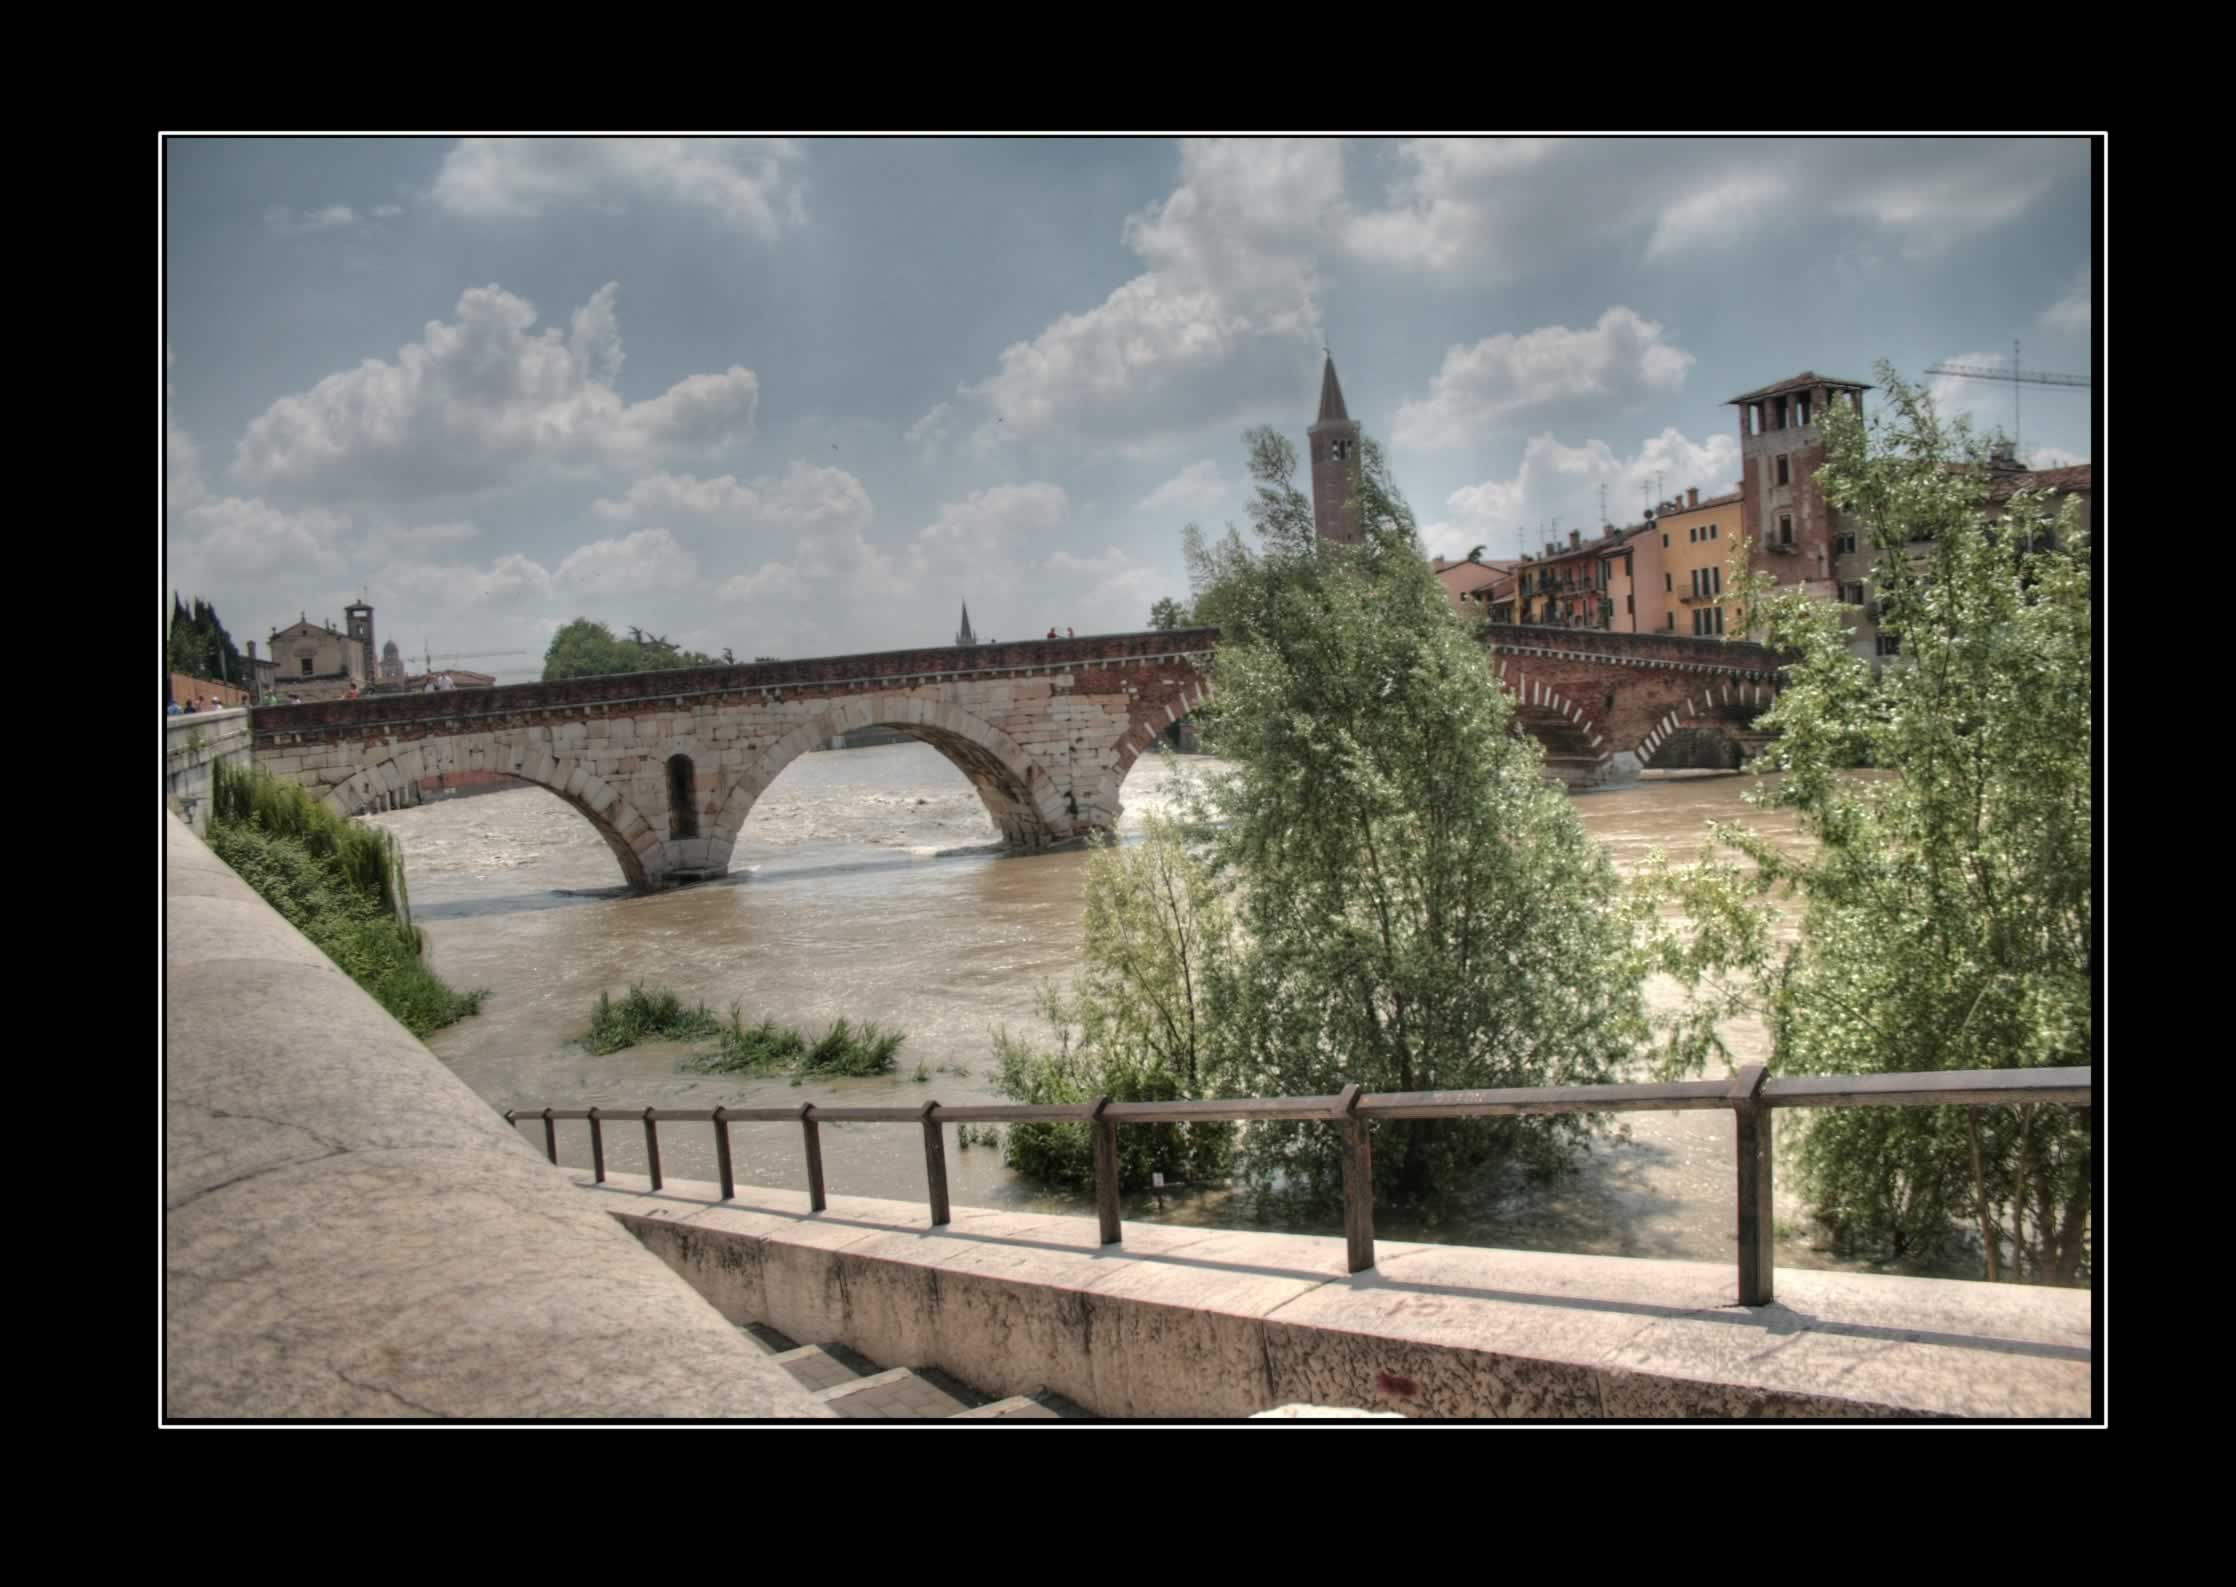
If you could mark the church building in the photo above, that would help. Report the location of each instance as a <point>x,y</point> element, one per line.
<point>1334,441</point>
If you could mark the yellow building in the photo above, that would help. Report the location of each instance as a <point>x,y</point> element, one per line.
<point>1698,540</point>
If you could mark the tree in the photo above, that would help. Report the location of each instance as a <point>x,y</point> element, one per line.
<point>584,649</point>
<point>1475,554</point>
<point>1417,906</point>
<point>1136,1025</point>
<point>1169,614</point>
<point>1946,909</point>
<point>199,646</point>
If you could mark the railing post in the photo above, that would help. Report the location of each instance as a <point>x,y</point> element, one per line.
<point>652,1148</point>
<point>597,1149</point>
<point>550,1137</point>
<point>935,1163</point>
<point>1106,1170</point>
<point>814,1140</point>
<point>1358,1181</point>
<point>1757,1222</point>
<point>722,1152</point>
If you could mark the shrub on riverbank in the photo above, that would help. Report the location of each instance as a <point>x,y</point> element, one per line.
<point>341,885</point>
<point>845,1049</point>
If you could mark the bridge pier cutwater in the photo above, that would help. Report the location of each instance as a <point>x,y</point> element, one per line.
<point>667,765</point>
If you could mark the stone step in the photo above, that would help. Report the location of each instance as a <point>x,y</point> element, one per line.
<point>894,1394</point>
<point>1017,1408</point>
<point>816,1369</point>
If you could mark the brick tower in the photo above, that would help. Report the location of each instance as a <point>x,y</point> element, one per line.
<point>1796,533</point>
<point>1334,439</point>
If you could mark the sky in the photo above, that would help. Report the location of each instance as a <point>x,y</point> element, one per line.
<point>806,397</point>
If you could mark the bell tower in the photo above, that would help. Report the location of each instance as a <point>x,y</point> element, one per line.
<point>1334,440</point>
<point>359,616</point>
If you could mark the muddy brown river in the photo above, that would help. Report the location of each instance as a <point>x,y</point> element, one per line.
<point>869,883</point>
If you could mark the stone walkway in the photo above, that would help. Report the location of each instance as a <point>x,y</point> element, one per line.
<point>857,1388</point>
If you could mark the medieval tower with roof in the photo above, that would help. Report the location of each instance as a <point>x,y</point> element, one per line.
<point>1334,439</point>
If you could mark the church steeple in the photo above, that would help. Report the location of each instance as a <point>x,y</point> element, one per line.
<point>964,638</point>
<point>1334,439</point>
<point>1331,395</point>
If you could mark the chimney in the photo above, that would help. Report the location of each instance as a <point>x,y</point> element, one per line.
<point>1692,495</point>
<point>1607,532</point>
<point>1575,538</point>
<point>252,650</point>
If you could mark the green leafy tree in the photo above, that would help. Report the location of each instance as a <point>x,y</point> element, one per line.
<point>1417,906</point>
<point>1169,614</point>
<point>1137,1023</point>
<point>199,646</point>
<point>584,649</point>
<point>1946,903</point>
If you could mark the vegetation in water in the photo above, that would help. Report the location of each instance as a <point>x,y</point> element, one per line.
<point>845,1048</point>
<point>1392,892</point>
<point>1946,911</point>
<point>340,883</point>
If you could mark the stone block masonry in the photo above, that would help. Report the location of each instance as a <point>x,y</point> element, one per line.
<point>1197,1322</point>
<point>191,746</point>
<point>667,766</point>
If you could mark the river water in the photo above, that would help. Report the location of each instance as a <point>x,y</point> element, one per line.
<point>869,883</point>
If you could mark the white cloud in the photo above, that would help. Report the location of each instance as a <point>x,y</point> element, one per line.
<point>281,221</point>
<point>1221,327</point>
<point>752,185</point>
<point>2073,311</point>
<point>635,564</point>
<point>1195,492</point>
<point>1558,484</point>
<point>1112,572</point>
<point>1505,381</point>
<point>484,401</point>
<point>1496,210</point>
<point>987,523</point>
<point>2052,457</point>
<point>388,211</point>
<point>1987,403</point>
<point>252,541</point>
<point>927,437</point>
<point>807,497</point>
<point>1717,216</point>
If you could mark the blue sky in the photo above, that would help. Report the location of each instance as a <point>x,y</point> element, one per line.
<point>805,397</point>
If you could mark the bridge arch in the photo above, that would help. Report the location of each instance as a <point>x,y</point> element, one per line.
<point>1020,797</point>
<point>387,782</point>
<point>1712,727</point>
<point>1105,808</point>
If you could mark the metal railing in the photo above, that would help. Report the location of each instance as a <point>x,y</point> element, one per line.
<point>1749,1094</point>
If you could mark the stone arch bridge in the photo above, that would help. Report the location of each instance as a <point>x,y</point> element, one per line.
<point>667,765</point>
<point>1607,706</point>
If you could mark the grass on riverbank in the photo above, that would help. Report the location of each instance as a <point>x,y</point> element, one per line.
<point>341,885</point>
<point>845,1049</point>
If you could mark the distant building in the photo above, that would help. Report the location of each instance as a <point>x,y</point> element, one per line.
<point>392,669</point>
<point>1694,540</point>
<point>1859,561</point>
<point>318,661</point>
<point>964,638</point>
<point>1794,530</point>
<point>1469,585</point>
<point>1334,444</point>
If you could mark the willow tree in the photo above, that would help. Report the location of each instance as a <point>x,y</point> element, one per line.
<point>1946,906</point>
<point>1419,907</point>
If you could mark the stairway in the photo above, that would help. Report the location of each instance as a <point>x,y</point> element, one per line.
<point>858,1389</point>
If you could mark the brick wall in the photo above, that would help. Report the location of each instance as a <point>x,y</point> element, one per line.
<point>199,690</point>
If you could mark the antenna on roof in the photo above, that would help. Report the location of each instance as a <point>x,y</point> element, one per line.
<point>1603,501</point>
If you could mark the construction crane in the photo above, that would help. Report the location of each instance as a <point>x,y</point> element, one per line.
<point>2016,376</point>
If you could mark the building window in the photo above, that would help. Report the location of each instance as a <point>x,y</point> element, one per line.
<point>1665,542</point>
<point>1715,581</point>
<point>1630,604</point>
<point>1785,528</point>
<point>1672,622</point>
<point>1711,531</point>
<point>1668,583</point>
<point>306,666</point>
<point>1890,644</point>
<point>1719,619</point>
<point>1783,477</point>
<point>1339,450</point>
<point>1846,545</point>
